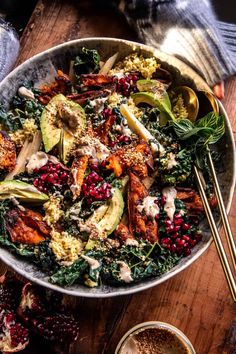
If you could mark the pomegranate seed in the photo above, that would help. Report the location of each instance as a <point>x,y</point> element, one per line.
<point>192,242</point>
<point>178,221</point>
<point>50,180</point>
<point>170,228</point>
<point>166,241</point>
<point>126,139</point>
<point>121,138</point>
<point>181,243</point>
<point>36,182</point>
<point>175,235</point>
<point>107,194</point>
<point>173,247</point>
<point>177,216</point>
<point>198,237</point>
<point>94,167</point>
<point>177,228</point>
<point>43,177</point>
<point>185,226</point>
<point>157,217</point>
<point>187,251</point>
<point>104,164</point>
<point>112,144</point>
<point>163,200</point>
<point>168,222</point>
<point>55,175</point>
<point>186,238</point>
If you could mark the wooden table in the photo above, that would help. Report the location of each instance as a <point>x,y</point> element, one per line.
<point>197,301</point>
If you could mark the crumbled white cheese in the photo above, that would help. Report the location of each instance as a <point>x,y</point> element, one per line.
<point>171,161</point>
<point>36,161</point>
<point>170,193</point>
<point>93,263</point>
<point>53,211</point>
<point>131,242</point>
<point>125,272</point>
<point>149,206</point>
<point>25,93</point>
<point>126,131</point>
<point>66,248</point>
<point>98,103</point>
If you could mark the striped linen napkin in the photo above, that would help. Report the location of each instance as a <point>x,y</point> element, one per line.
<point>187,29</point>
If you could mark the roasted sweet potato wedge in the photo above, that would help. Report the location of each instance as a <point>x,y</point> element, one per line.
<point>123,233</point>
<point>7,153</point>
<point>193,201</point>
<point>78,169</point>
<point>105,128</point>
<point>82,98</point>
<point>131,158</point>
<point>35,220</point>
<point>26,226</point>
<point>140,225</point>
<point>61,84</point>
<point>95,80</point>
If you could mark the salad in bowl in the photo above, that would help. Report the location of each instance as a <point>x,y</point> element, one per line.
<point>97,185</point>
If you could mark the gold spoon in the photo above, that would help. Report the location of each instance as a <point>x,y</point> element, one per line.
<point>190,101</point>
<point>207,103</point>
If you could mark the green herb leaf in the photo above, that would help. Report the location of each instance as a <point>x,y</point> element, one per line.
<point>205,131</point>
<point>87,62</point>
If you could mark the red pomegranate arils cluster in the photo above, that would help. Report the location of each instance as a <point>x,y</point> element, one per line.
<point>179,236</point>
<point>35,312</point>
<point>14,336</point>
<point>107,113</point>
<point>127,84</point>
<point>59,328</point>
<point>51,177</point>
<point>94,188</point>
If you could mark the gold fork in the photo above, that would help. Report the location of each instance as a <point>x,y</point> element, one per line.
<point>216,236</point>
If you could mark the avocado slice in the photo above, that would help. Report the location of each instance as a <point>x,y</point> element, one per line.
<point>61,122</point>
<point>108,220</point>
<point>114,212</point>
<point>153,93</point>
<point>22,191</point>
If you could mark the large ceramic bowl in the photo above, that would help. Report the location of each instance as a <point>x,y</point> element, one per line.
<point>41,69</point>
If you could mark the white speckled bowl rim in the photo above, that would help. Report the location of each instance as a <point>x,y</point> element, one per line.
<point>36,68</point>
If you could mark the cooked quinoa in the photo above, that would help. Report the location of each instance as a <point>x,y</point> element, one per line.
<point>65,247</point>
<point>53,212</point>
<point>136,63</point>
<point>28,130</point>
<point>179,108</point>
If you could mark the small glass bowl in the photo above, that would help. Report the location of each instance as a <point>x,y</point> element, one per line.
<point>153,324</point>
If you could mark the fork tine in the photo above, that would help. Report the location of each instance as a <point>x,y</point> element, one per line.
<point>226,225</point>
<point>216,237</point>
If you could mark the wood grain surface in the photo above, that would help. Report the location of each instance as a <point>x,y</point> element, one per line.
<point>197,301</point>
